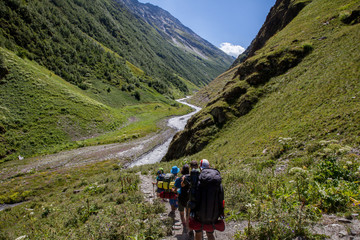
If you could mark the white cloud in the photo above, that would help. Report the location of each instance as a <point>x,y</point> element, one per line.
<point>232,50</point>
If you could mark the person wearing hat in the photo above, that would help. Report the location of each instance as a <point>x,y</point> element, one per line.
<point>195,222</point>
<point>190,181</point>
<point>159,177</point>
<point>174,202</point>
<point>204,163</point>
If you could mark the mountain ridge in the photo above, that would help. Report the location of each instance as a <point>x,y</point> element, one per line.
<point>172,29</point>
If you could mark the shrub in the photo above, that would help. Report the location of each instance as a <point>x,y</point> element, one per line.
<point>331,168</point>
<point>137,95</point>
<point>308,47</point>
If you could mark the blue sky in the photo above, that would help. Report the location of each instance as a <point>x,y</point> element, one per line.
<point>228,24</point>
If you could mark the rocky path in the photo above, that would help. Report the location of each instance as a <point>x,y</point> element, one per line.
<point>177,233</point>
<point>337,228</point>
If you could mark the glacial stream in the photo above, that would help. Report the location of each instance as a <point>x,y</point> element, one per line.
<point>178,123</point>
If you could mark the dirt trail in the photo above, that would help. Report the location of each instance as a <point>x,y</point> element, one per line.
<point>177,234</point>
<point>337,228</point>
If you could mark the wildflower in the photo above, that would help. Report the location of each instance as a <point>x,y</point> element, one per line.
<point>21,237</point>
<point>249,205</point>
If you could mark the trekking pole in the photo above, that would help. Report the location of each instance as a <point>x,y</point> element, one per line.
<point>153,190</point>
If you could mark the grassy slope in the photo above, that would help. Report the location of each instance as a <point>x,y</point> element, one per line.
<point>315,107</point>
<point>98,201</point>
<point>318,99</point>
<point>43,113</point>
<point>203,96</point>
<point>44,31</point>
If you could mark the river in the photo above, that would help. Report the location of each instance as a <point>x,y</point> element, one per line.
<point>92,154</point>
<point>178,123</point>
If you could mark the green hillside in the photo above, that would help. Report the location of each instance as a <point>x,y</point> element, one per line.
<point>41,112</point>
<point>69,37</point>
<point>110,59</point>
<point>299,83</point>
<point>282,126</point>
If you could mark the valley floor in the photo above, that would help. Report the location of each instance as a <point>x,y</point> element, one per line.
<point>126,152</point>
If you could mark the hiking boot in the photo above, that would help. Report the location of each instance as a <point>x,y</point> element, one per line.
<point>185,230</point>
<point>191,235</point>
<point>172,214</point>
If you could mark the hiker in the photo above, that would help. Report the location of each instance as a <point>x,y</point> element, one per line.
<point>173,201</point>
<point>207,211</point>
<point>189,183</point>
<point>183,197</point>
<point>159,178</point>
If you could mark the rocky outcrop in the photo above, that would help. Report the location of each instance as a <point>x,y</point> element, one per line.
<point>3,70</point>
<point>352,18</point>
<point>280,15</point>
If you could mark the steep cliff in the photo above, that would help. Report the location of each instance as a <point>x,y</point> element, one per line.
<point>279,16</point>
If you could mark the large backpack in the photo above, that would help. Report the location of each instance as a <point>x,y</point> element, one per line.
<point>184,193</point>
<point>192,180</point>
<point>160,177</point>
<point>167,184</point>
<point>209,197</point>
<point>160,181</point>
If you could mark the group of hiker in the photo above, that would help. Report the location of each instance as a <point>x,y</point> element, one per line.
<point>198,195</point>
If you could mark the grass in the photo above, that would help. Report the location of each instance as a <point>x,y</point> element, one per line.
<point>304,121</point>
<point>292,158</point>
<point>42,113</point>
<point>97,201</point>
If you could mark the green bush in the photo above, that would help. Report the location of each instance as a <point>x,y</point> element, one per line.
<point>331,168</point>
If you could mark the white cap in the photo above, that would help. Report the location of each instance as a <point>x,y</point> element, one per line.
<point>204,163</point>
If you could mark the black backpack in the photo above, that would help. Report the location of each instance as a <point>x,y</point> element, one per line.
<point>209,197</point>
<point>192,180</point>
<point>184,193</point>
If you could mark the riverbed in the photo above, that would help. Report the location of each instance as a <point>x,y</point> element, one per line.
<point>178,123</point>
<point>147,150</point>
